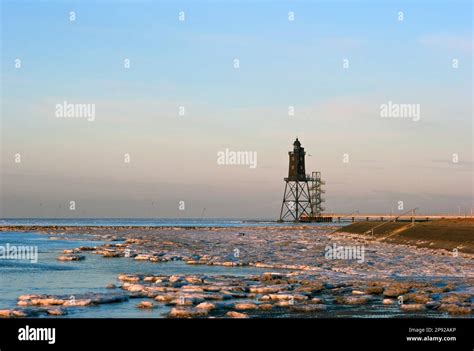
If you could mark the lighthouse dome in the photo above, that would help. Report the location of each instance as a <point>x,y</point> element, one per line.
<point>296,144</point>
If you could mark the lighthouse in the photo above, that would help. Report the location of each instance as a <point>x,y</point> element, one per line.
<point>302,196</point>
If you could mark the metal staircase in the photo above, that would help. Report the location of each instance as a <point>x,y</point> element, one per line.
<point>316,192</point>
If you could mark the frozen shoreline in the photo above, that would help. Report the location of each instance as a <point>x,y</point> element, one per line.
<point>299,248</point>
<point>423,276</point>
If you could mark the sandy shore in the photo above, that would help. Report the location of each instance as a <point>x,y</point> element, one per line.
<point>306,279</point>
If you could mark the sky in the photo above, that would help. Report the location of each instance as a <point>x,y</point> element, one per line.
<point>369,163</point>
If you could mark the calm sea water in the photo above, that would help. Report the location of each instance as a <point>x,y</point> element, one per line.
<point>49,276</point>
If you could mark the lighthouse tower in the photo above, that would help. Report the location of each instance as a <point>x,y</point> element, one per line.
<point>302,201</point>
<point>296,198</point>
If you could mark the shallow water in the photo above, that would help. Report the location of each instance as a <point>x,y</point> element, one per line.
<point>49,276</point>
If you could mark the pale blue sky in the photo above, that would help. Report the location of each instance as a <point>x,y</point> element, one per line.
<point>189,63</point>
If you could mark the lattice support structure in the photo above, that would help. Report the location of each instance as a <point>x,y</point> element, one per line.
<point>296,201</point>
